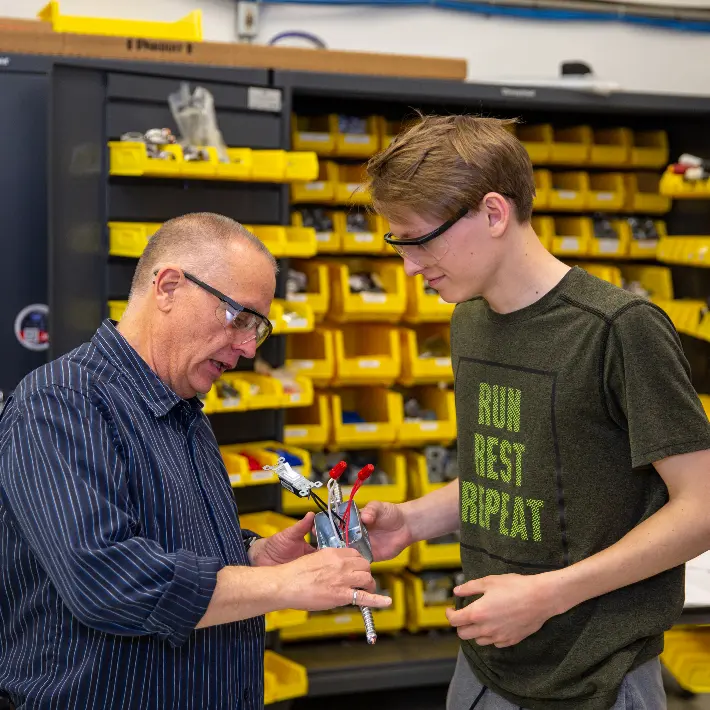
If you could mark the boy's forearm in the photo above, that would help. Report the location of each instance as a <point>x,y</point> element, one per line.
<point>435,514</point>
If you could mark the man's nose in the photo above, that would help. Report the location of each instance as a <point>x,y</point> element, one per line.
<point>411,268</point>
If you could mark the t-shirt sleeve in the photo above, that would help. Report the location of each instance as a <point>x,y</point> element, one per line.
<point>648,387</point>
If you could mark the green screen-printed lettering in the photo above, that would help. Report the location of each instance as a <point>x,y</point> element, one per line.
<point>491,457</point>
<point>479,447</point>
<point>492,505</point>
<point>505,450</point>
<point>504,514</point>
<point>535,506</point>
<point>499,407</point>
<point>519,527</point>
<point>514,397</point>
<point>519,451</point>
<point>484,404</point>
<point>481,505</point>
<point>469,503</point>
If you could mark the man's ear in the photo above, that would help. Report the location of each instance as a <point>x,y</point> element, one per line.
<point>499,213</point>
<point>166,281</point>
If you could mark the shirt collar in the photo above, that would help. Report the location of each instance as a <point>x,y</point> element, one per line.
<point>156,394</point>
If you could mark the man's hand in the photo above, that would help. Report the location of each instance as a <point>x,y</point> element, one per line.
<point>388,529</point>
<point>512,608</point>
<point>285,546</point>
<point>326,580</point>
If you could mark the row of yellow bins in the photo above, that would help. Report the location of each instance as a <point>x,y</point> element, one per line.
<point>677,187</point>
<point>690,250</point>
<point>370,354</point>
<point>574,236</point>
<point>689,316</point>
<point>579,191</point>
<point>687,656</point>
<point>381,421</point>
<point>132,159</point>
<point>342,240</point>
<point>656,280</point>
<point>546,144</point>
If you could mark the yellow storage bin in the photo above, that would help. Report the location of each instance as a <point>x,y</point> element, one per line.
<point>421,432</point>
<point>313,133</point>
<point>301,166</point>
<point>647,248</point>
<point>676,186</point>
<point>312,355</point>
<point>269,166</point>
<point>543,185</point>
<point>239,165</point>
<point>129,239</point>
<point>378,407</point>
<point>309,427</point>
<point>397,564</point>
<point>606,192</point>
<point>426,555</point>
<point>705,401</point>
<point>687,656</point>
<point>317,295</point>
<point>606,273</point>
<point>354,241</point>
<point>569,192</point>
<point>434,366</point>
<point>348,620</point>
<point>318,191</point>
<point>264,392</point>
<point>116,309</point>
<point>537,140</point>
<point>418,473</point>
<point>291,317</point>
<point>649,149</point>
<point>571,146</point>
<point>419,615</point>
<point>368,306</point>
<point>694,251</point>
<point>388,131</point>
<point>366,355</point>
<point>237,467</point>
<point>201,169</point>
<point>611,147</point>
<point>608,247</point>
<point>572,236</point>
<point>304,394</point>
<point>131,159</point>
<point>657,280</point>
<point>643,194</point>
<point>188,29</point>
<point>326,242</point>
<point>545,229</point>
<point>240,402</point>
<point>356,145</point>
<point>423,307</point>
<point>686,314</point>
<point>285,242</point>
<point>283,679</point>
<point>258,450</point>
<point>350,188</point>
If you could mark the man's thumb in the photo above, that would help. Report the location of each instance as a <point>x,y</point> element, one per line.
<point>302,527</point>
<point>371,512</point>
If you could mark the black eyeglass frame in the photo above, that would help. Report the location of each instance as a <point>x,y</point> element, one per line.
<point>238,307</point>
<point>418,241</point>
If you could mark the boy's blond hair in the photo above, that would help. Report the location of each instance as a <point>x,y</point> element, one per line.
<point>441,164</point>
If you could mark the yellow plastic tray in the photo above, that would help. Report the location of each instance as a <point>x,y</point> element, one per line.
<point>691,250</point>
<point>305,395</point>
<point>388,131</point>
<point>129,239</point>
<point>677,187</point>
<point>239,167</point>
<point>131,159</point>
<point>237,468</point>
<point>543,185</point>
<point>687,657</point>
<point>270,394</point>
<point>309,427</point>
<point>606,273</point>
<point>545,229</point>
<point>422,307</point>
<point>366,354</point>
<point>258,450</point>
<point>606,192</point>
<point>647,248</point>
<point>116,309</point>
<point>396,564</point>
<point>313,355</point>
<point>649,149</point>
<point>388,306</point>
<point>348,620</point>
<point>537,140</point>
<point>213,404</point>
<point>326,242</point>
<point>572,236</point>
<point>356,145</point>
<point>301,322</point>
<point>370,242</point>
<point>569,192</point>
<point>417,471</point>
<point>419,616</point>
<point>417,370</point>
<point>571,146</point>
<point>423,433</point>
<point>350,188</point>
<point>381,411</point>
<point>318,284</point>
<point>189,29</point>
<point>319,190</point>
<point>426,556</point>
<point>610,248</point>
<point>643,194</point>
<point>284,242</point>
<point>283,679</point>
<point>611,147</point>
<point>686,314</point>
<point>705,401</point>
<point>657,280</point>
<point>312,133</point>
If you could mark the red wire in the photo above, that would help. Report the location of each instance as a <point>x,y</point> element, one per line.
<point>362,476</point>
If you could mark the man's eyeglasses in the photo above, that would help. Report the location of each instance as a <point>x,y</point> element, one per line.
<point>423,251</point>
<point>241,323</point>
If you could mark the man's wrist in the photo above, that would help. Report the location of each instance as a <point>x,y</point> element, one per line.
<point>562,590</point>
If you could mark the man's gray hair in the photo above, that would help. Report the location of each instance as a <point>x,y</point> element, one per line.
<point>191,239</point>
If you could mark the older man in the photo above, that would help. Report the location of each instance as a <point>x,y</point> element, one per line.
<point>126,579</point>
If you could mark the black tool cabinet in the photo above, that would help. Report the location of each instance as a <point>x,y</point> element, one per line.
<point>58,198</point>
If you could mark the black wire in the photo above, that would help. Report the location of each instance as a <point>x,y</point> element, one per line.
<point>324,509</point>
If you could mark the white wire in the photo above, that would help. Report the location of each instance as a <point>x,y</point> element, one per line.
<point>331,483</point>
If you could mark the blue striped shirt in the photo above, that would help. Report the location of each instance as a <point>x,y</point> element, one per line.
<point>116,514</point>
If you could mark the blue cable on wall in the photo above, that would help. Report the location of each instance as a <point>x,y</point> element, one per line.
<point>523,13</point>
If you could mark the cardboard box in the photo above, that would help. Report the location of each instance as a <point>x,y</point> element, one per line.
<point>31,37</point>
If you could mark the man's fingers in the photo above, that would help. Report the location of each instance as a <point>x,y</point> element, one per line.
<point>376,601</point>
<point>370,512</point>
<point>462,617</point>
<point>469,589</point>
<point>362,580</point>
<point>484,641</point>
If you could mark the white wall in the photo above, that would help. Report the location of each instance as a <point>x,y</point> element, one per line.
<point>639,59</point>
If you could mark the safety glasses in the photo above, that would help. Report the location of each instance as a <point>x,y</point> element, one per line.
<point>424,251</point>
<point>242,324</point>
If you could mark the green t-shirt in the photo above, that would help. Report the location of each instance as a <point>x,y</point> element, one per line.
<point>562,407</point>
